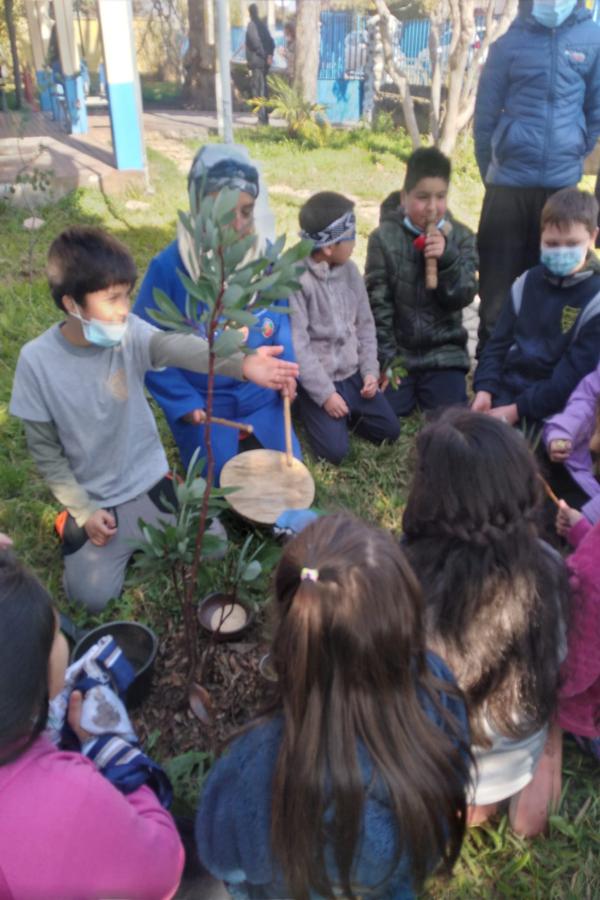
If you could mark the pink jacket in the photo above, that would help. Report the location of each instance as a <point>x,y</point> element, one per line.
<point>579,698</point>
<point>576,423</point>
<point>67,834</point>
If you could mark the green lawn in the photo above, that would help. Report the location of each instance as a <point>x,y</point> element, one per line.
<point>372,482</point>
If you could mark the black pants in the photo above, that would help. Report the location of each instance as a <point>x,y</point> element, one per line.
<point>371,419</point>
<point>508,242</point>
<point>429,389</point>
<point>260,88</point>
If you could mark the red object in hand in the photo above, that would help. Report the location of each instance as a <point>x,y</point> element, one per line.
<point>419,242</point>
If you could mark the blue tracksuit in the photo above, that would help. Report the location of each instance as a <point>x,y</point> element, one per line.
<point>178,391</point>
<point>546,339</point>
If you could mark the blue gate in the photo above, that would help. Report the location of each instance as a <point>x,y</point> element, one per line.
<point>343,55</point>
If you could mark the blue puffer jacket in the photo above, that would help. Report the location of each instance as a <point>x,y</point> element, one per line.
<point>537,113</point>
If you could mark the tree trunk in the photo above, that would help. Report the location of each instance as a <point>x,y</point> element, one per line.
<point>308,41</point>
<point>397,76</point>
<point>199,84</point>
<point>438,17</point>
<point>465,26</point>
<point>12,37</point>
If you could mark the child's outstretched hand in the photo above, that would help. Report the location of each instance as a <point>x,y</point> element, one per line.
<point>336,406</point>
<point>566,518</point>
<point>559,450</point>
<point>264,369</point>
<point>5,541</point>
<point>369,388</point>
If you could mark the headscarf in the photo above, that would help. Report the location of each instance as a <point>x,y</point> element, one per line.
<point>228,165</point>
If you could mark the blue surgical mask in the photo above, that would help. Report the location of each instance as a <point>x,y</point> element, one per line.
<point>102,334</point>
<point>552,13</point>
<point>408,222</point>
<point>561,261</point>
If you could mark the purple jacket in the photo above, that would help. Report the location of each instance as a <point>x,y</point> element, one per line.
<point>576,423</point>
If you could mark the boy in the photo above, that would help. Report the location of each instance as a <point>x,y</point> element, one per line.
<point>334,336</point>
<point>422,328</point>
<point>79,388</point>
<point>548,334</point>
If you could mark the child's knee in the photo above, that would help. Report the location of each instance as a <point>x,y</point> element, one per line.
<point>92,590</point>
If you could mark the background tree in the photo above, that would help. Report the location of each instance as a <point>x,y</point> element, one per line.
<point>308,17</point>
<point>9,13</point>
<point>451,110</point>
<point>199,84</point>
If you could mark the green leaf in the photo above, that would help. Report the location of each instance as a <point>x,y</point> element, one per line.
<point>233,294</point>
<point>235,253</point>
<point>252,571</point>
<point>204,291</point>
<point>166,305</point>
<point>228,342</point>
<point>240,316</point>
<point>167,322</point>
<point>223,211</point>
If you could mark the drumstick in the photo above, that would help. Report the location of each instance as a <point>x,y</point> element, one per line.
<point>431,269</point>
<point>241,426</point>
<point>550,492</point>
<point>287,421</point>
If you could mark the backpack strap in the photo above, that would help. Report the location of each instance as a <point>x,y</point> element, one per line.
<point>589,311</point>
<point>516,291</point>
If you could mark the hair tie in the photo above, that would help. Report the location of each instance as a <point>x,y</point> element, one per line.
<point>309,574</point>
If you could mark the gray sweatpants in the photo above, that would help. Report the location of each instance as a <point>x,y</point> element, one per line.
<point>93,575</point>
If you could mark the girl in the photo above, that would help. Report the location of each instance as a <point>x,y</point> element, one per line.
<point>353,783</point>
<point>182,394</point>
<point>572,437</point>
<point>65,832</point>
<point>495,598</point>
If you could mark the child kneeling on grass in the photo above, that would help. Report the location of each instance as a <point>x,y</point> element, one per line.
<point>421,327</point>
<point>334,337</point>
<point>548,335</point>
<point>66,833</point>
<point>79,388</point>
<point>353,783</point>
<point>495,605</point>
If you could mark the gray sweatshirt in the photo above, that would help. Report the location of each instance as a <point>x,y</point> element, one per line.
<point>332,328</point>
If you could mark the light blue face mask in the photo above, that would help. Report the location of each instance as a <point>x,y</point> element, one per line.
<point>102,334</point>
<point>562,261</point>
<point>415,228</point>
<point>552,13</point>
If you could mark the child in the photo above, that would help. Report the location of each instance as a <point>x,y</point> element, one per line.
<point>495,600</point>
<point>579,699</point>
<point>79,389</point>
<point>571,437</point>
<point>422,328</point>
<point>65,832</point>
<point>180,393</point>
<point>334,336</point>
<point>548,334</point>
<point>353,784</point>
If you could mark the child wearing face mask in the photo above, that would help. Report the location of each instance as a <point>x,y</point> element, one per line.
<point>79,389</point>
<point>548,335</point>
<point>418,327</point>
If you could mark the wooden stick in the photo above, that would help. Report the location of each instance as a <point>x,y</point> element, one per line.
<point>241,426</point>
<point>287,422</point>
<point>550,492</point>
<point>431,267</point>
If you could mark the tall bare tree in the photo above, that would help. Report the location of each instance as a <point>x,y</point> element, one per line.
<point>451,113</point>
<point>9,13</point>
<point>199,85</point>
<point>306,72</point>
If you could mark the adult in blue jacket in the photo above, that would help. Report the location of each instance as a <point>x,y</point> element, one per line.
<point>537,117</point>
<point>182,394</point>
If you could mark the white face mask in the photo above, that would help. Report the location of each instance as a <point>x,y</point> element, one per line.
<point>102,334</point>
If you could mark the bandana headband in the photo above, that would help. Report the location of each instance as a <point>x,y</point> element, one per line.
<point>343,229</point>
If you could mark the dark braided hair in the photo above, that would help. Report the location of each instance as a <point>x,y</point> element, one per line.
<point>495,594</point>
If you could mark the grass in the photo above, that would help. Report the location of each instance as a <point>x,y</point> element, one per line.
<point>372,482</point>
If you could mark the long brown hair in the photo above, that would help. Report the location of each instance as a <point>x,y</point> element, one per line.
<point>349,653</point>
<point>495,594</point>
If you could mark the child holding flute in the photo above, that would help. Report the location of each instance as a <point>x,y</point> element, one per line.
<point>421,271</point>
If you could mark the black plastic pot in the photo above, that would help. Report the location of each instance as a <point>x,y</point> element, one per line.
<point>212,605</point>
<point>140,646</point>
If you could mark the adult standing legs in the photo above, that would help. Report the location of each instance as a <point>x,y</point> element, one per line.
<point>259,86</point>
